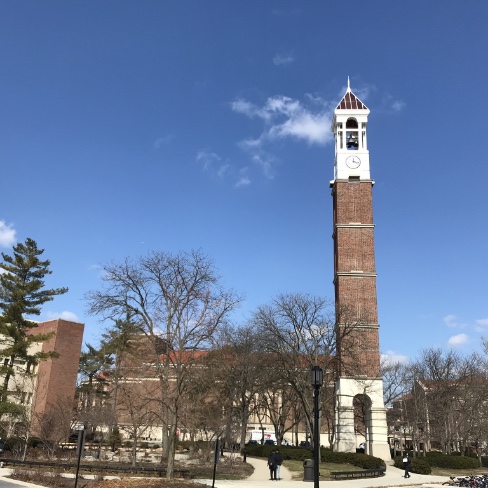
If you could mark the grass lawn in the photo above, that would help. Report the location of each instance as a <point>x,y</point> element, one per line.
<point>296,469</point>
<point>457,472</point>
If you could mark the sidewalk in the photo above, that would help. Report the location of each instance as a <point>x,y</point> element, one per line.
<point>260,479</point>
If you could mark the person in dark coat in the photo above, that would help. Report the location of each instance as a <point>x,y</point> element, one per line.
<point>406,466</point>
<point>272,465</point>
<point>279,462</point>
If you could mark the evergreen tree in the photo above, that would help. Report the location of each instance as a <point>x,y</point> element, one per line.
<point>93,362</point>
<point>22,294</point>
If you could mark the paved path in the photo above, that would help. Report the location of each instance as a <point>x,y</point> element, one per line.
<point>9,483</point>
<point>260,479</point>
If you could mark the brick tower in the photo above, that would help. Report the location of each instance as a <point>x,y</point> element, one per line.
<point>358,377</point>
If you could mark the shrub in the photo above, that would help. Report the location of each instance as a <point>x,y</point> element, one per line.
<point>288,452</point>
<point>440,460</point>
<point>13,443</point>
<point>299,454</point>
<point>195,445</point>
<point>34,442</point>
<point>356,459</point>
<point>420,466</point>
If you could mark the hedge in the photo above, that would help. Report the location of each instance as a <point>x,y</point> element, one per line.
<point>417,465</point>
<point>439,460</point>
<point>299,453</point>
<point>296,453</point>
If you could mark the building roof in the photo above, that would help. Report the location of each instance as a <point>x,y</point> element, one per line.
<point>350,101</point>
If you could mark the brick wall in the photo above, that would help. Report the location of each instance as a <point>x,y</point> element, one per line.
<point>56,379</point>
<point>355,279</point>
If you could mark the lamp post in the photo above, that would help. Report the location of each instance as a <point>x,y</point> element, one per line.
<point>317,382</point>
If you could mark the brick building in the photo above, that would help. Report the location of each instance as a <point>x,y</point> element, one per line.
<point>48,392</point>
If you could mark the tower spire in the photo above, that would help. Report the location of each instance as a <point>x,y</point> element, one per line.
<point>348,84</point>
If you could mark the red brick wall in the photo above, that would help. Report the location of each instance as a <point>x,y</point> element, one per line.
<point>56,383</point>
<point>355,279</point>
<point>353,202</point>
<point>355,249</point>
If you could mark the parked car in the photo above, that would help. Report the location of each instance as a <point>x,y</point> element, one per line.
<point>252,441</point>
<point>269,442</point>
<point>305,444</point>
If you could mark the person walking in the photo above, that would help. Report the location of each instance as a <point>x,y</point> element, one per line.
<point>406,465</point>
<point>279,462</point>
<point>272,466</point>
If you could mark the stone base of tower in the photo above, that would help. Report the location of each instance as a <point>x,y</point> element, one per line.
<point>371,391</point>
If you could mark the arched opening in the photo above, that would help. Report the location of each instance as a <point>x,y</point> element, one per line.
<point>362,422</point>
<point>352,134</point>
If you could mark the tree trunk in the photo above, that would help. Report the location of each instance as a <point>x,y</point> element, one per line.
<point>170,466</point>
<point>134,451</point>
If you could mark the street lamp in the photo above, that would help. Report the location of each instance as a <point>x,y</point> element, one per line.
<point>317,382</point>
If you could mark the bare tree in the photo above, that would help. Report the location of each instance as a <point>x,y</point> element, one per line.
<point>234,372</point>
<point>299,332</point>
<point>179,304</point>
<point>116,341</point>
<point>279,401</point>
<point>395,380</point>
<point>435,392</point>
<point>136,410</point>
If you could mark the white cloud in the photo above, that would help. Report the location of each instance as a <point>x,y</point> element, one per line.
<point>212,163</point>
<point>390,105</point>
<point>458,340</point>
<point>207,158</point>
<point>452,321</point>
<point>285,117</point>
<point>313,128</point>
<point>281,59</point>
<point>7,234</point>
<point>250,110</point>
<point>244,179</point>
<point>391,357</point>
<point>62,315</point>
<point>163,141</point>
<point>398,105</point>
<point>223,169</point>
<point>265,161</point>
<point>482,322</point>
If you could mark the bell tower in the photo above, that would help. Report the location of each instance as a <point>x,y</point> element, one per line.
<point>359,386</point>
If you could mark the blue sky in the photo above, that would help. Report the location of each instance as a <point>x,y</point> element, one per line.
<point>175,125</point>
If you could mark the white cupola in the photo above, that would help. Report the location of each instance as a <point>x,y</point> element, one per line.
<point>351,148</point>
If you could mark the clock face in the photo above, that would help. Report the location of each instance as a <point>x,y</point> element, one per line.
<point>353,162</point>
